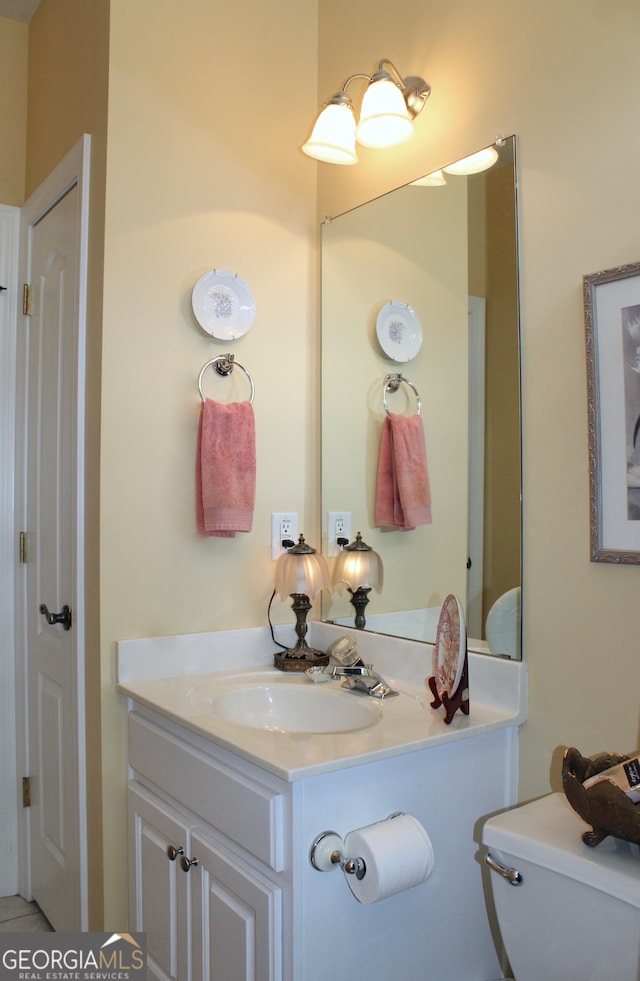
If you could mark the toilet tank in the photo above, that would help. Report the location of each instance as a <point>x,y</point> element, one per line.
<point>576,914</point>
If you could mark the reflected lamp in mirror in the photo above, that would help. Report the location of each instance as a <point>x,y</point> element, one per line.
<point>360,569</point>
<point>301,573</point>
<point>389,105</point>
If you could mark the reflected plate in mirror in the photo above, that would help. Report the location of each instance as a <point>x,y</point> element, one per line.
<point>399,331</point>
<point>503,624</point>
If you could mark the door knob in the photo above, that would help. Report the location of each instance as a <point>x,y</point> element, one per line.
<point>63,618</point>
<point>173,852</point>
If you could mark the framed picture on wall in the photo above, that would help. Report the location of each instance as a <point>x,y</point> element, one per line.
<point>612,323</point>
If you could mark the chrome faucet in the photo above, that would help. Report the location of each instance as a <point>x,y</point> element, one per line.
<point>361,677</point>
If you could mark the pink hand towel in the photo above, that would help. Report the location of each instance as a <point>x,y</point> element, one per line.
<point>403,494</point>
<point>225,469</point>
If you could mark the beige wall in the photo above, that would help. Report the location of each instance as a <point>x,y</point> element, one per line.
<point>13,110</point>
<point>203,172</point>
<point>529,68</point>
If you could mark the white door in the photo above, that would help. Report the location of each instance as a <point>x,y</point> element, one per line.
<point>52,600</point>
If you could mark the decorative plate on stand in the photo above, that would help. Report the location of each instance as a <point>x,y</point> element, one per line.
<point>450,647</point>
<point>223,304</point>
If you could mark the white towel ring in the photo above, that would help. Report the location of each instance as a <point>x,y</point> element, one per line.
<point>224,365</point>
<point>392,384</point>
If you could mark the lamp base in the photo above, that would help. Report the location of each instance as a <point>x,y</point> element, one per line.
<point>299,658</point>
<point>360,598</point>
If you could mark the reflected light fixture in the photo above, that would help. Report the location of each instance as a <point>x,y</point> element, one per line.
<point>435,179</point>
<point>474,164</point>
<point>360,569</point>
<point>389,106</point>
<point>301,573</point>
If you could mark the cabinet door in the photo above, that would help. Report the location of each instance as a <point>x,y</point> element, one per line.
<point>236,918</point>
<point>158,887</point>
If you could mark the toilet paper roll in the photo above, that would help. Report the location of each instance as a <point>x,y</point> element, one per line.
<point>398,855</point>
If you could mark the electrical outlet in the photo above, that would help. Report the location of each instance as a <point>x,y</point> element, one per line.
<point>284,526</point>
<point>338,526</point>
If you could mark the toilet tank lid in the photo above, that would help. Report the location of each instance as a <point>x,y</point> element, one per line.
<point>548,833</point>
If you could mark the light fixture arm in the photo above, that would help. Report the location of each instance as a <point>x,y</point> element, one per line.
<point>342,98</point>
<point>414,88</point>
<point>397,77</point>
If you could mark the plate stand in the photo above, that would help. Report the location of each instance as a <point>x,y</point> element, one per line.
<point>459,699</point>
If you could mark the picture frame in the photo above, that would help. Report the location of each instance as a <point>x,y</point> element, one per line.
<point>612,327</point>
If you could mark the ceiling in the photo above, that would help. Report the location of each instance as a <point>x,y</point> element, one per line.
<point>21,10</point>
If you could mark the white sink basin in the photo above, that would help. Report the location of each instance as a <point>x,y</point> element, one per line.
<point>287,707</point>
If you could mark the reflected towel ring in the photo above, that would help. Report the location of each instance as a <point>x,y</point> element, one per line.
<point>224,365</point>
<point>392,384</point>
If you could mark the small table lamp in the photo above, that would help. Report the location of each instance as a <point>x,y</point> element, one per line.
<point>360,568</point>
<point>300,573</point>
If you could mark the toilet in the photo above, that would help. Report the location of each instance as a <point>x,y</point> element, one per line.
<point>575,913</point>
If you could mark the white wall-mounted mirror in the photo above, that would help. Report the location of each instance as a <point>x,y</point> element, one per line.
<point>449,252</point>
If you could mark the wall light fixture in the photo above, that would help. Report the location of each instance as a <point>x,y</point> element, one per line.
<point>389,105</point>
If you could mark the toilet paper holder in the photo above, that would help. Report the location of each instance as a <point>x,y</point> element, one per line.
<point>327,853</point>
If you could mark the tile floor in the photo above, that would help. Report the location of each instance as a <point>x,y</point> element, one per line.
<point>17,914</point>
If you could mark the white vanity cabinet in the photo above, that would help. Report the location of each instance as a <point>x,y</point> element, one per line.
<point>247,804</point>
<point>251,906</point>
<point>208,905</point>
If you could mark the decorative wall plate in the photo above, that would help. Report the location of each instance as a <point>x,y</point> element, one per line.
<point>223,304</point>
<point>450,647</point>
<point>399,331</point>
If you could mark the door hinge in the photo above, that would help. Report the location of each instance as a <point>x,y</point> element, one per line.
<point>26,791</point>
<point>26,300</point>
<point>23,547</point>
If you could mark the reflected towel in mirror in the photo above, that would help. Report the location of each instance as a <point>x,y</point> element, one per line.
<point>225,469</point>
<point>403,494</point>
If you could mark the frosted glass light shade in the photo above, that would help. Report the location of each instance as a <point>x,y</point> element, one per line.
<point>333,137</point>
<point>359,570</point>
<point>301,573</point>
<point>384,117</point>
<point>473,164</point>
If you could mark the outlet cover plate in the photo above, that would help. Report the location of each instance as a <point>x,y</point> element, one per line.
<point>338,526</point>
<point>284,524</point>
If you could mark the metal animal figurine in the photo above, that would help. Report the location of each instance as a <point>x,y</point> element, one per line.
<point>604,806</point>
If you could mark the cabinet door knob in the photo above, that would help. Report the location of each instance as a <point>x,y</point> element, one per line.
<point>187,863</point>
<point>173,852</point>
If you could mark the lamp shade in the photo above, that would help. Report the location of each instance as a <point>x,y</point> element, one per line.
<point>301,570</point>
<point>384,118</point>
<point>333,137</point>
<point>359,567</point>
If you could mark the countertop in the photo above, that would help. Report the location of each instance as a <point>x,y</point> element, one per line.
<point>167,675</point>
